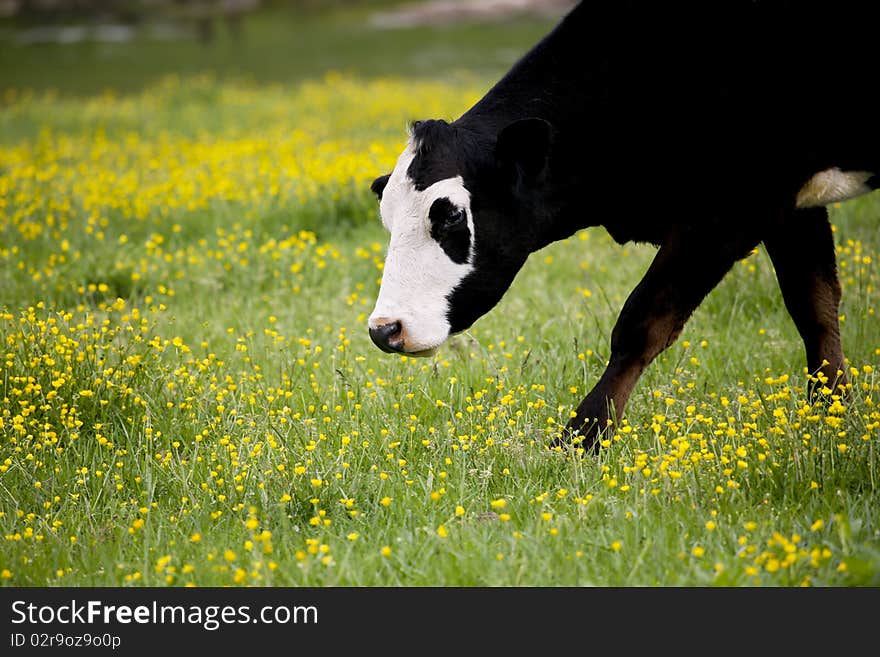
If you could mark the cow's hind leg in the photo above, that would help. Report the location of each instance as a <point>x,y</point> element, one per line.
<point>801,247</point>
<point>686,268</point>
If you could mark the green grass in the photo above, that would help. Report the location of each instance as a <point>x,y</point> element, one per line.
<point>281,45</point>
<point>188,394</point>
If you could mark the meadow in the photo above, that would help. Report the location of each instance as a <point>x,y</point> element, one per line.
<point>189,397</point>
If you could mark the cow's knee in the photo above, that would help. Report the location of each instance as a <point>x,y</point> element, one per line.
<point>641,339</point>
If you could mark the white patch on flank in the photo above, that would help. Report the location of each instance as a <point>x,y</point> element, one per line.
<point>832,186</point>
<point>418,275</point>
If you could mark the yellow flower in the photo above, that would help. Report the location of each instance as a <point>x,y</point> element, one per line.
<point>385,551</point>
<point>498,504</point>
<point>441,532</point>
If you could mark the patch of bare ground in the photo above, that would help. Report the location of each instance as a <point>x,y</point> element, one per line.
<point>446,12</point>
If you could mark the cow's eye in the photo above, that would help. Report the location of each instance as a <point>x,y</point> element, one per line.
<point>459,218</point>
<point>450,229</point>
<point>446,217</point>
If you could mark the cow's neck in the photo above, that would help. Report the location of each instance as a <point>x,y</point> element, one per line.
<point>543,83</point>
<point>551,67</point>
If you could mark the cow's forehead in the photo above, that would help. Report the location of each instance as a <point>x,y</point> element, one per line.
<point>409,193</point>
<point>398,194</point>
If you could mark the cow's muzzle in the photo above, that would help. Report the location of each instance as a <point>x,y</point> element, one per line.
<point>388,337</point>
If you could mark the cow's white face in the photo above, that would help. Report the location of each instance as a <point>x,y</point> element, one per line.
<point>430,253</point>
<point>464,209</point>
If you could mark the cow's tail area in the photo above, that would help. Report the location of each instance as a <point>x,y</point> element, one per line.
<point>835,185</point>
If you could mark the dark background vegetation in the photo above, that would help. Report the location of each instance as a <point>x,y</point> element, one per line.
<point>89,46</point>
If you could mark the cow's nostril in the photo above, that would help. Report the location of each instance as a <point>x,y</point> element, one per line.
<point>388,337</point>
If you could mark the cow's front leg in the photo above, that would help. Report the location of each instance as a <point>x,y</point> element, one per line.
<point>684,271</point>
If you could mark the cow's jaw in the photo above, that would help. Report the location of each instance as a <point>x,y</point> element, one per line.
<point>418,277</point>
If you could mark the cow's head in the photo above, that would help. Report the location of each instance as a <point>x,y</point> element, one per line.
<point>462,208</point>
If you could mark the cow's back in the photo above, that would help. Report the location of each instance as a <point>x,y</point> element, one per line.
<point>726,101</point>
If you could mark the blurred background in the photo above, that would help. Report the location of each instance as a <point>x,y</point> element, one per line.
<point>88,46</point>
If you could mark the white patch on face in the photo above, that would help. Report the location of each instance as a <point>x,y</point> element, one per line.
<point>418,275</point>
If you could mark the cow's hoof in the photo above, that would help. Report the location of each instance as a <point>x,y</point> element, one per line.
<point>583,440</point>
<point>824,390</point>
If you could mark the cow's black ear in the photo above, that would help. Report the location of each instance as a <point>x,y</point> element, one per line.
<point>378,185</point>
<point>523,146</point>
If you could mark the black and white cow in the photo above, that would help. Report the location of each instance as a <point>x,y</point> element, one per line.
<point>705,132</point>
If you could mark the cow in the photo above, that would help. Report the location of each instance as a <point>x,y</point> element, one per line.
<point>705,132</point>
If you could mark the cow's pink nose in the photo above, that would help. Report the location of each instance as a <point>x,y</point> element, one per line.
<point>388,336</point>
